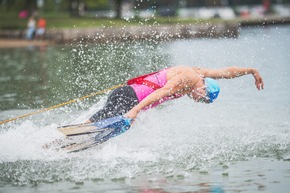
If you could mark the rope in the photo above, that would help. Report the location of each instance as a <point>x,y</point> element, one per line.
<point>60,105</point>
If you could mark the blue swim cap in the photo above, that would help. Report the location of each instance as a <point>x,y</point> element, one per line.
<point>212,89</point>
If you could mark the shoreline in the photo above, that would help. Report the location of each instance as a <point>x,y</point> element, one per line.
<point>132,33</point>
<point>164,32</point>
<point>14,43</point>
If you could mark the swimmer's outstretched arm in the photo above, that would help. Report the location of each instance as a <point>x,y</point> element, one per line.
<point>233,72</point>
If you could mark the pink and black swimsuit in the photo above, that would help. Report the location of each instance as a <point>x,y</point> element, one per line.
<point>124,98</point>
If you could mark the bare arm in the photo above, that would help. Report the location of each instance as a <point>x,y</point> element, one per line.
<point>180,84</point>
<point>234,72</point>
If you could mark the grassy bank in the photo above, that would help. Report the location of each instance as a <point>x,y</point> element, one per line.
<point>11,21</point>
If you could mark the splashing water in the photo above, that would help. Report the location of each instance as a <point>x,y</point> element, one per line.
<point>175,139</point>
<point>161,141</point>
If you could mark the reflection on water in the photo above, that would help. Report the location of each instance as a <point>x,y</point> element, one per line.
<point>23,76</point>
<point>37,77</point>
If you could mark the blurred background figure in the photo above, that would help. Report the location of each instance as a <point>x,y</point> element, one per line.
<point>23,14</point>
<point>266,6</point>
<point>30,28</point>
<point>41,26</point>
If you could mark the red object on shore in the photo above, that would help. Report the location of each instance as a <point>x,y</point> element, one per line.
<point>41,23</point>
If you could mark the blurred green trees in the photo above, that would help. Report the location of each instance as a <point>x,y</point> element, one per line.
<point>77,8</point>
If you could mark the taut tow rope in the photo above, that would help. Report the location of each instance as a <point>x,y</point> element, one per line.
<point>60,105</point>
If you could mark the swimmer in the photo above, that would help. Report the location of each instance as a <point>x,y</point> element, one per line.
<point>150,90</point>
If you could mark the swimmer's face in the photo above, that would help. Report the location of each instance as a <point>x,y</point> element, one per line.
<point>199,95</point>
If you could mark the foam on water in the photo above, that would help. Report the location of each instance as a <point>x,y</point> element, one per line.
<point>164,140</point>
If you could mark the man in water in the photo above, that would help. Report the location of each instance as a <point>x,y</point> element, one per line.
<point>152,89</point>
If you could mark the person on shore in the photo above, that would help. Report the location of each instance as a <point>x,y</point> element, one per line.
<point>41,26</point>
<point>153,89</point>
<point>30,28</point>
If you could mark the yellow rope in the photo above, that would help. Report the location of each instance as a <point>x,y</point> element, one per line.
<point>60,105</point>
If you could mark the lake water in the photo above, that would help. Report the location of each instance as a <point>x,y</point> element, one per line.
<point>240,143</point>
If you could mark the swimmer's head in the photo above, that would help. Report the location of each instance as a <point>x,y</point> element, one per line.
<point>212,89</point>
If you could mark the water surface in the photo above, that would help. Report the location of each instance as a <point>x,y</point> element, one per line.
<point>240,143</point>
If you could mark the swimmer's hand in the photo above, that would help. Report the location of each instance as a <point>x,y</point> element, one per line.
<point>258,80</point>
<point>132,114</point>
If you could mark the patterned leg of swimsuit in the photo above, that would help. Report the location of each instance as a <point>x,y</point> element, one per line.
<point>119,102</point>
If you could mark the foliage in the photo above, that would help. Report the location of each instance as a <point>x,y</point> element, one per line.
<point>63,20</point>
<point>97,5</point>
